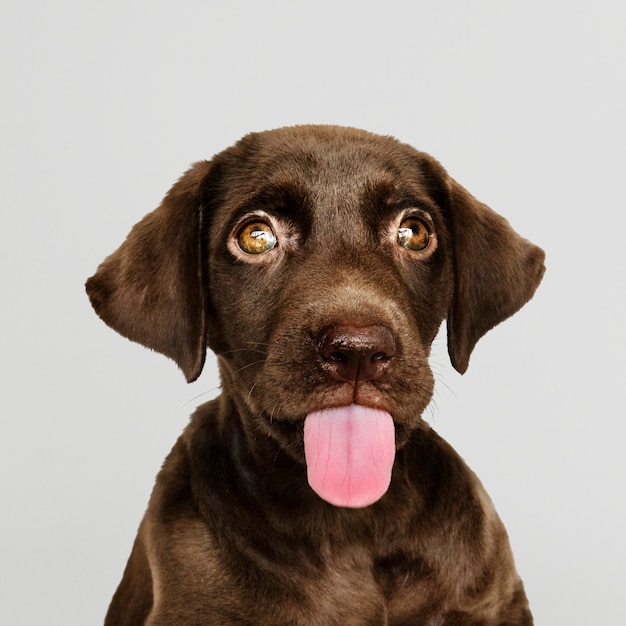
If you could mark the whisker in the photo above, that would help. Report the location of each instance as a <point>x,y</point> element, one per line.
<point>245,367</point>
<point>235,350</point>
<point>201,395</point>
<point>251,390</point>
<point>275,409</point>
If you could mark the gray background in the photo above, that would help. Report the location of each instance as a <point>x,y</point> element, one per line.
<point>104,105</point>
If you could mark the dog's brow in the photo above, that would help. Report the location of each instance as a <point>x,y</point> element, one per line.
<point>284,201</point>
<point>388,197</point>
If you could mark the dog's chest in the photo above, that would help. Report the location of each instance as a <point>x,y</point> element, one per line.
<point>354,589</point>
<point>345,593</point>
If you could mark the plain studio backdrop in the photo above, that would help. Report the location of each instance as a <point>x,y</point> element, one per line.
<point>104,105</point>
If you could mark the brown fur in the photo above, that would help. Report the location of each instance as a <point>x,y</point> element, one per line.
<point>233,533</point>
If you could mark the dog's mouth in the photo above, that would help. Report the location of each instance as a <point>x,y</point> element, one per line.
<point>349,454</point>
<point>334,397</point>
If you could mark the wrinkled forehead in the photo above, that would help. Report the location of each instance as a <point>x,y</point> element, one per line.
<point>285,172</point>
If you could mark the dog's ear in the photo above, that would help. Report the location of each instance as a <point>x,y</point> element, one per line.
<point>152,288</point>
<point>495,273</point>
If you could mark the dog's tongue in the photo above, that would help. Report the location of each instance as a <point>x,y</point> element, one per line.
<point>349,454</point>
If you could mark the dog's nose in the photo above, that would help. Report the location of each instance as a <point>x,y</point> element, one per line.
<point>356,354</point>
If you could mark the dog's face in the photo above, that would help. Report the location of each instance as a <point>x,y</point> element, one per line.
<point>314,231</point>
<point>318,263</point>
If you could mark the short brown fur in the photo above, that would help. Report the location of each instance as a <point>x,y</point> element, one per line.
<point>233,533</point>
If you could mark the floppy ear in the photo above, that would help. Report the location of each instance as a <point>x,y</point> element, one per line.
<point>151,289</point>
<point>495,273</point>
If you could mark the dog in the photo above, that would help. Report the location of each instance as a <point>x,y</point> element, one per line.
<point>318,263</point>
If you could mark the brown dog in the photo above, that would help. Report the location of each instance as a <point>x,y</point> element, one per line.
<point>318,263</point>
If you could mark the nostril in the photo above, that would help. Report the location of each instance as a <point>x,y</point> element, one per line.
<point>356,353</point>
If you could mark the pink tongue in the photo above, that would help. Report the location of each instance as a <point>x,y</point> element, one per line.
<point>349,454</point>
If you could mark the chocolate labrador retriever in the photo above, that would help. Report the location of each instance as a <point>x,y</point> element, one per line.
<point>318,263</point>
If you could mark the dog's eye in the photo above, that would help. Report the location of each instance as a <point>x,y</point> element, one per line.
<point>256,238</point>
<point>414,234</point>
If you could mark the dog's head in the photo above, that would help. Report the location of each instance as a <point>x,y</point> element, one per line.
<point>318,263</point>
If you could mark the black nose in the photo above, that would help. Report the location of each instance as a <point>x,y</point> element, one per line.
<point>356,353</point>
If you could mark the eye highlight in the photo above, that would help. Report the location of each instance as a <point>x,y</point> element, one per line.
<point>256,237</point>
<point>414,234</point>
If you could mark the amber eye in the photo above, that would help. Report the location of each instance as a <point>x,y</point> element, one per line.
<point>414,234</point>
<point>256,238</point>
